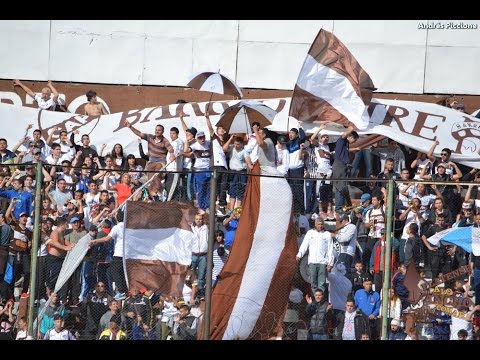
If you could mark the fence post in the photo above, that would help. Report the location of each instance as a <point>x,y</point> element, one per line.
<point>388,256</point>
<point>211,239</point>
<point>34,249</point>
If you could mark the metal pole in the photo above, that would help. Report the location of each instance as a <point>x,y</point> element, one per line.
<point>34,249</point>
<point>211,240</point>
<point>387,261</point>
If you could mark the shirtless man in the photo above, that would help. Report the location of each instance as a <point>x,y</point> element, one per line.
<point>57,249</point>
<point>94,108</point>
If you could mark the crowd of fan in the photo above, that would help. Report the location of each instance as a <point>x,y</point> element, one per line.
<point>83,192</point>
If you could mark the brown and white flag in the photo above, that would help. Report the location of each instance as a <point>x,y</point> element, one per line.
<point>251,295</point>
<point>332,86</point>
<point>158,245</point>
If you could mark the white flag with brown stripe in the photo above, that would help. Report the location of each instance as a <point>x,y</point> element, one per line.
<point>158,245</point>
<point>251,295</point>
<point>332,86</point>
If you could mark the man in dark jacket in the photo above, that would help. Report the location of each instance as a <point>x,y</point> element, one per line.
<point>185,324</point>
<point>350,324</point>
<point>317,310</point>
<point>396,331</point>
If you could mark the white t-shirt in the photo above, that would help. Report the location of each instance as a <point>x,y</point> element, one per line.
<point>202,154</point>
<point>348,332</point>
<point>420,165</point>
<point>117,236</point>
<point>324,165</point>
<point>45,105</point>
<point>219,158</point>
<point>283,160</point>
<point>91,200</point>
<point>251,149</point>
<point>64,334</point>
<point>177,164</point>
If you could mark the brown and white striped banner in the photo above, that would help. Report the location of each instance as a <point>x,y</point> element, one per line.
<point>332,86</point>
<point>158,245</point>
<point>251,296</point>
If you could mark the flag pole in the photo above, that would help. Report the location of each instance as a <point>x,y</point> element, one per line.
<point>387,261</point>
<point>34,250</point>
<point>211,240</point>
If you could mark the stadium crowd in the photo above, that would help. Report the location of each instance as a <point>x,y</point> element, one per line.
<point>338,295</point>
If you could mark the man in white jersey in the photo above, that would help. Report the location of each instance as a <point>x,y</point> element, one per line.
<point>47,100</point>
<point>58,332</point>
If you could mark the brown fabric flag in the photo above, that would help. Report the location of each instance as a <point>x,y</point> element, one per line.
<point>250,297</point>
<point>332,86</point>
<point>158,245</point>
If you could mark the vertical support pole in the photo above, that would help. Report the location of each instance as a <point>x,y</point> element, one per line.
<point>211,240</point>
<point>388,257</point>
<point>34,249</point>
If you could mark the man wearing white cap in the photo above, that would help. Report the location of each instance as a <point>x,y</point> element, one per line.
<point>396,331</point>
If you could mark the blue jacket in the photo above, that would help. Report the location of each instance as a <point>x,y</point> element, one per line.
<point>24,201</point>
<point>369,303</point>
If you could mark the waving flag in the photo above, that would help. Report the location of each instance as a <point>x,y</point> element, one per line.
<point>251,296</point>
<point>332,86</point>
<point>158,245</point>
<point>468,238</point>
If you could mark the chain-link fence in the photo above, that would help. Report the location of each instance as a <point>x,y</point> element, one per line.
<point>96,301</point>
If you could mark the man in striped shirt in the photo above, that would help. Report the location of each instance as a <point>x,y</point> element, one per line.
<point>158,146</point>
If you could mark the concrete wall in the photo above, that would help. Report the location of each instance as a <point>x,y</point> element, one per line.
<point>400,55</point>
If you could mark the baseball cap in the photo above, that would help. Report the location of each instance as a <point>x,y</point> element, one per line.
<point>200,134</point>
<point>282,139</point>
<point>22,213</point>
<point>365,197</point>
<point>37,150</point>
<point>192,131</point>
<point>460,106</point>
<point>93,228</point>
<point>442,165</point>
<point>73,219</point>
